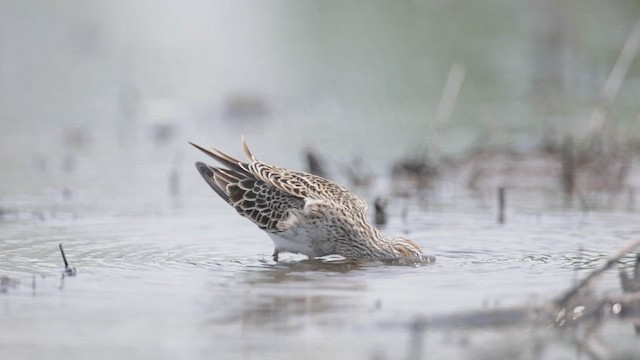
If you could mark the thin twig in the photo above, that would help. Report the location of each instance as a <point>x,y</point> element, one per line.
<point>447,103</point>
<point>64,258</point>
<point>614,81</point>
<point>609,262</point>
<point>450,93</point>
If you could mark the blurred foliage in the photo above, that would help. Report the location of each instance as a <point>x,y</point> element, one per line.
<point>367,68</point>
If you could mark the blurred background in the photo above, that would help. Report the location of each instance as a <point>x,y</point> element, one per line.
<point>349,78</point>
<point>423,107</point>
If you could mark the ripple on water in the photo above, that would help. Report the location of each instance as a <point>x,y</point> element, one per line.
<point>216,274</point>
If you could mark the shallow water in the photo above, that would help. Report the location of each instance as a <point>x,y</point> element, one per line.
<point>166,277</point>
<point>179,285</point>
<point>98,101</point>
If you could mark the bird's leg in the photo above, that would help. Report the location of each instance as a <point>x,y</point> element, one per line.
<point>275,254</point>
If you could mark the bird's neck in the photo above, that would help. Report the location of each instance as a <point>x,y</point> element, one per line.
<point>381,245</point>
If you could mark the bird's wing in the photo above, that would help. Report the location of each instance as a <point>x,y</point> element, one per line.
<point>306,185</point>
<point>295,183</point>
<point>263,204</point>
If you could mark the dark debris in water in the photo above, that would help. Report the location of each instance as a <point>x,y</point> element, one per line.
<point>583,318</point>
<point>579,310</point>
<point>68,270</point>
<point>485,318</point>
<point>7,283</point>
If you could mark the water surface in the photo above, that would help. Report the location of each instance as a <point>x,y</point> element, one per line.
<point>162,277</point>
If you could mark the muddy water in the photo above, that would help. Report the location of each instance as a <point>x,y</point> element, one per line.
<point>166,277</point>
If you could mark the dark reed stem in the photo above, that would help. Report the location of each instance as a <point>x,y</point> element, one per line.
<point>501,205</point>
<point>64,257</point>
<point>563,300</point>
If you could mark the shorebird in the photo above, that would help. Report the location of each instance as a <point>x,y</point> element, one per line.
<point>301,212</point>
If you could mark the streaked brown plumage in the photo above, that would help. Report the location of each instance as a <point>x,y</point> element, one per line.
<point>301,212</point>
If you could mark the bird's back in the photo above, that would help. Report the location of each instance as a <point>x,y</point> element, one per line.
<point>267,194</point>
<point>301,212</point>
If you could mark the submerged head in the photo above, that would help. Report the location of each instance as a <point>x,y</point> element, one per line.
<point>405,247</point>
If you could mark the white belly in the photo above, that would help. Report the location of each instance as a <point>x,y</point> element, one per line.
<point>312,237</point>
<point>298,242</point>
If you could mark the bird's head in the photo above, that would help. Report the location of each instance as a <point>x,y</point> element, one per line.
<point>405,247</point>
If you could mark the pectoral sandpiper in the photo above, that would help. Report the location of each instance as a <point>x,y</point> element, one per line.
<point>302,213</point>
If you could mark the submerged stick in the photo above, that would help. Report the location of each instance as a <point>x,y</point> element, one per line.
<point>405,214</point>
<point>174,183</point>
<point>380,205</point>
<point>64,258</point>
<point>568,167</point>
<point>68,271</point>
<point>610,261</point>
<point>501,204</point>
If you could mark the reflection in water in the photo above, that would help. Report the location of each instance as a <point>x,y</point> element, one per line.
<point>287,311</point>
<point>287,295</point>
